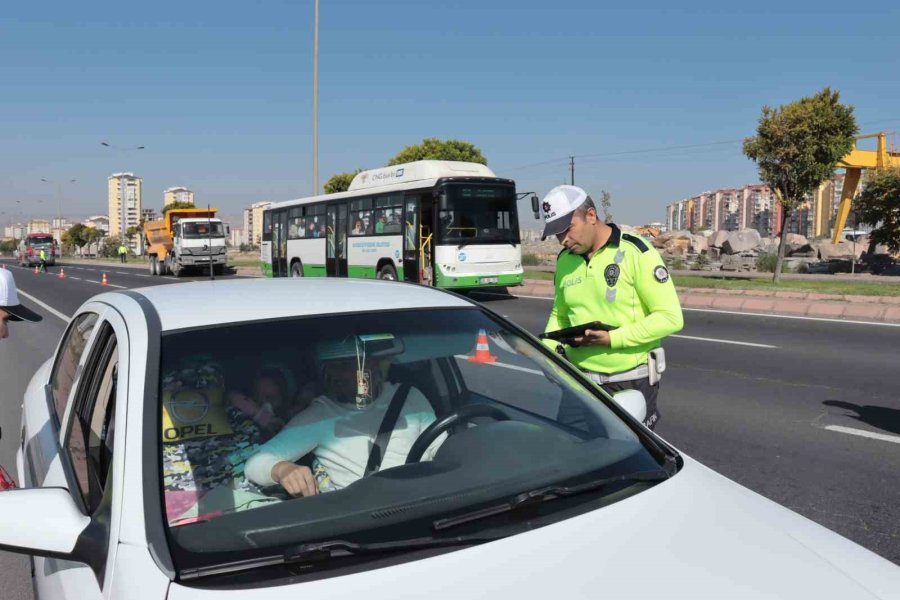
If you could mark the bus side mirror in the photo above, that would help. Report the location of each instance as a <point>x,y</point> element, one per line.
<point>535,207</point>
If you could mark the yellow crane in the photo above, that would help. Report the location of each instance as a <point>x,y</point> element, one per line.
<point>855,162</point>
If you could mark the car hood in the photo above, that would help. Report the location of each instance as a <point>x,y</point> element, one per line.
<point>697,535</point>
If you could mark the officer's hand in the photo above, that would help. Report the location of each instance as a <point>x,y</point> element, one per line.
<point>593,337</point>
<point>295,479</point>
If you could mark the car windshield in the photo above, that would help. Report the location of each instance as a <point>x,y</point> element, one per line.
<point>203,230</point>
<point>338,410</point>
<point>41,240</point>
<point>478,214</point>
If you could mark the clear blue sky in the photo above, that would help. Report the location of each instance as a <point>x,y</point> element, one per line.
<point>220,92</point>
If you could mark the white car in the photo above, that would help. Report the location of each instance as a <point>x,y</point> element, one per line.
<point>350,439</point>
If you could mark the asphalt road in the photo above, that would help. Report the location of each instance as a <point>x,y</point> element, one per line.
<point>805,412</point>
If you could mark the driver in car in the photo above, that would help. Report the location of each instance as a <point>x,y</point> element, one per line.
<point>340,426</point>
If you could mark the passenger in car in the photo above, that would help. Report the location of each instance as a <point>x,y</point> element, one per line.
<point>274,400</point>
<point>339,428</point>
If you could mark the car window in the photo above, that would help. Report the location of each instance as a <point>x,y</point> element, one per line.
<point>241,405</point>
<point>65,370</point>
<point>90,440</point>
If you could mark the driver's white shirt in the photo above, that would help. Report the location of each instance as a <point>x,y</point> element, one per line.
<point>339,435</point>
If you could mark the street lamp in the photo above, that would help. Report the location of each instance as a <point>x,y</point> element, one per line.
<point>59,185</point>
<point>316,102</point>
<point>123,214</point>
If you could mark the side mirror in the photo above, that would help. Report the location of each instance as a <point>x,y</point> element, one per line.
<point>535,206</point>
<point>41,522</point>
<point>633,402</point>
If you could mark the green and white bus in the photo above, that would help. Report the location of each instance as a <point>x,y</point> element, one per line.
<point>442,223</point>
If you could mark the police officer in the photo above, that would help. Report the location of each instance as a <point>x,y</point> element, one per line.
<point>10,308</point>
<point>42,256</point>
<point>603,274</point>
<point>123,253</point>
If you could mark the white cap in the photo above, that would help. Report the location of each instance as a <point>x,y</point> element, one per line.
<point>559,204</point>
<point>9,300</point>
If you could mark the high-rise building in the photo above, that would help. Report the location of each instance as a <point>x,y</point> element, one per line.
<point>124,193</point>
<point>98,222</point>
<point>177,194</point>
<point>253,222</point>
<point>15,231</point>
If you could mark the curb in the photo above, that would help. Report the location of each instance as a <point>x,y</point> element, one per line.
<point>879,309</point>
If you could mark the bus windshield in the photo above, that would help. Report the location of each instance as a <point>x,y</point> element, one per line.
<point>203,230</point>
<point>472,213</point>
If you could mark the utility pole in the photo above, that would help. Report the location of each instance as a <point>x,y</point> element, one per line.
<point>315,124</point>
<point>572,170</point>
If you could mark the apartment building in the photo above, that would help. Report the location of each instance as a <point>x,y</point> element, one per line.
<point>177,194</point>
<point>253,223</point>
<point>124,198</point>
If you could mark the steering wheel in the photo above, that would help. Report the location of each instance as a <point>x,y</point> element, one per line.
<point>463,415</point>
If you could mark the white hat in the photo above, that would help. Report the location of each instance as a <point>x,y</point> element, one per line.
<point>559,205</point>
<point>9,300</point>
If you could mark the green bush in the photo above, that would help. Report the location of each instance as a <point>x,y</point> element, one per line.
<point>765,263</point>
<point>701,262</point>
<point>676,263</point>
<point>530,260</point>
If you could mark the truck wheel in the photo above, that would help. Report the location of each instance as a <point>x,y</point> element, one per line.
<point>153,264</point>
<point>296,270</point>
<point>388,273</point>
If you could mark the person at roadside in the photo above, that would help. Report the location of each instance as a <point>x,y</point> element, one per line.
<point>10,307</point>
<point>339,427</point>
<point>618,279</point>
<point>42,256</point>
<point>123,253</point>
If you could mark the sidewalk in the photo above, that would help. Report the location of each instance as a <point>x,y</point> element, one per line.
<point>885,309</point>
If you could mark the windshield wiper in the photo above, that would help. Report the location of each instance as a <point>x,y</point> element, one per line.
<point>543,494</point>
<point>316,552</point>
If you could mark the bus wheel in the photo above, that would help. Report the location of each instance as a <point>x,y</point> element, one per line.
<point>296,270</point>
<point>388,273</point>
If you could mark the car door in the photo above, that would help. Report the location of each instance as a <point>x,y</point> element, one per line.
<point>90,459</point>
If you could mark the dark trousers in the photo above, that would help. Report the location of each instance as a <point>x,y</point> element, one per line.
<point>643,386</point>
<point>44,266</point>
<point>122,257</point>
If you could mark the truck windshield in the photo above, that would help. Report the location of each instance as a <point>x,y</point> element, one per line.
<point>194,231</point>
<point>478,214</point>
<point>37,240</point>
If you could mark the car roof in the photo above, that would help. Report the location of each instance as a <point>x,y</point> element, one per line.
<point>206,303</point>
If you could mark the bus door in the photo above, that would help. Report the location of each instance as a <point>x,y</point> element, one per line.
<point>411,240</point>
<point>279,244</point>
<point>336,242</point>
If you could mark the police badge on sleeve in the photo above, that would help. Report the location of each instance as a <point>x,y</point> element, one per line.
<point>661,274</point>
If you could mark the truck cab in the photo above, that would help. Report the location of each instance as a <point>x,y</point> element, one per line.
<point>186,239</point>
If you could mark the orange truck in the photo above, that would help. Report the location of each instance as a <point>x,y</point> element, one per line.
<point>186,239</point>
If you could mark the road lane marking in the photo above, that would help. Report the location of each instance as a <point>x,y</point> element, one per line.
<point>752,314</point>
<point>863,433</point>
<point>504,365</point>
<point>703,339</point>
<point>723,312</point>
<point>46,307</point>
<point>76,278</point>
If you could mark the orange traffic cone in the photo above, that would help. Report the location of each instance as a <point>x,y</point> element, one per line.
<point>62,273</point>
<point>103,281</point>
<point>35,270</point>
<point>482,350</point>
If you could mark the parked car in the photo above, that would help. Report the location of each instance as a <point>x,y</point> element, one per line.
<point>831,266</point>
<point>423,447</point>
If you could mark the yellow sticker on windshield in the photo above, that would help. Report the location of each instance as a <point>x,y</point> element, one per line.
<point>190,413</point>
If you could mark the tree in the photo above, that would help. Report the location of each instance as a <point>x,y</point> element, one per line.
<point>8,245</point>
<point>110,247</point>
<point>340,182</point>
<point>177,205</point>
<point>435,149</point>
<point>74,236</point>
<point>879,205</point>
<point>797,146</point>
<point>605,204</point>
<point>92,236</point>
